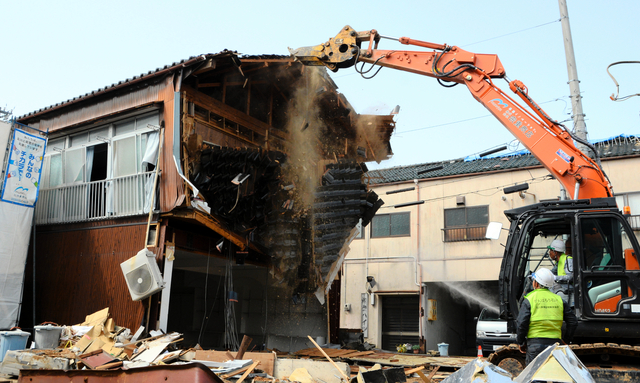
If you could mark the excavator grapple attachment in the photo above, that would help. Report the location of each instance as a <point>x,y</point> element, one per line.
<point>339,52</point>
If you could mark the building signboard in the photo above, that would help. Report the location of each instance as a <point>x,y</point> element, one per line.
<point>22,178</point>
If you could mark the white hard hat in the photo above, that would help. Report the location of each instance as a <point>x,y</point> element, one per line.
<point>557,245</point>
<point>544,277</point>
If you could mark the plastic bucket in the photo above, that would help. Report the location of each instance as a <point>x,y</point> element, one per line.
<point>12,340</point>
<point>47,336</point>
<point>443,349</point>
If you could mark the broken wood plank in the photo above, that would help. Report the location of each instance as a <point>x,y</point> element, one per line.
<point>229,355</point>
<point>109,366</point>
<point>433,372</point>
<point>422,376</point>
<point>330,360</point>
<point>246,341</point>
<point>267,359</point>
<point>248,372</point>
<point>359,354</point>
<point>240,370</point>
<point>413,370</point>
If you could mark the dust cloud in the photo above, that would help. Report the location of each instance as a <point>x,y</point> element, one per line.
<point>304,147</point>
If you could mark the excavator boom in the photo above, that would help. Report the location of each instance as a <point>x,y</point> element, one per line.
<point>547,140</point>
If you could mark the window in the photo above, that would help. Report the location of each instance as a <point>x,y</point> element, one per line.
<point>110,151</point>
<point>101,172</point>
<point>607,257</point>
<point>465,223</point>
<point>391,225</point>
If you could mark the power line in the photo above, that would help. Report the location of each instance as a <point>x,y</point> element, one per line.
<point>468,119</point>
<point>495,190</point>
<point>512,33</point>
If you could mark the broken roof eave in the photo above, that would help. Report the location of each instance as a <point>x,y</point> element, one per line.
<point>217,226</point>
<point>126,83</point>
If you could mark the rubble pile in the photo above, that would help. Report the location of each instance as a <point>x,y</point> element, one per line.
<point>99,348</point>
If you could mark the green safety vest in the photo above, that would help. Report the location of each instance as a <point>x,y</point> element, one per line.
<point>561,262</point>
<point>546,314</point>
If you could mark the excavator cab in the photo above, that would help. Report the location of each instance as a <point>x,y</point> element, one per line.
<point>606,273</point>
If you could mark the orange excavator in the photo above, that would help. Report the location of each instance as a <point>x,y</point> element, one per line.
<point>606,279</point>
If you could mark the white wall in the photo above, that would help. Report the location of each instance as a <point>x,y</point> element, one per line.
<point>402,264</point>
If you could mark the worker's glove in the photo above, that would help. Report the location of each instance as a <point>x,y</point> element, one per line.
<point>523,348</point>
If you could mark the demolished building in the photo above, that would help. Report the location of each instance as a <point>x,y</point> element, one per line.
<point>259,164</point>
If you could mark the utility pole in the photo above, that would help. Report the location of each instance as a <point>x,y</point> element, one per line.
<point>579,126</point>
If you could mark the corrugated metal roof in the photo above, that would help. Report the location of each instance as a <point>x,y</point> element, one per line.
<point>152,73</point>
<point>619,146</point>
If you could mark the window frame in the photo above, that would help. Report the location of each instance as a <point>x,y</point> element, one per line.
<point>94,137</point>
<point>389,235</point>
<point>465,232</point>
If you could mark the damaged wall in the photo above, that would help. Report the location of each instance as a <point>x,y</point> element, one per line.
<point>300,205</point>
<point>266,116</point>
<point>269,312</point>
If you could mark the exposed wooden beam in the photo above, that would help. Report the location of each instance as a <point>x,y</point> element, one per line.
<point>213,224</point>
<point>227,112</point>
<point>248,87</point>
<point>208,66</point>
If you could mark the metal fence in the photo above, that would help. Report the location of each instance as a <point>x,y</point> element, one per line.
<point>466,233</point>
<point>116,197</point>
<point>634,222</point>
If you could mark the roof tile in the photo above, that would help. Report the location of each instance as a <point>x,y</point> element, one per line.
<point>619,146</point>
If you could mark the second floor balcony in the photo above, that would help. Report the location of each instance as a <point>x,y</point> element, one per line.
<point>111,198</point>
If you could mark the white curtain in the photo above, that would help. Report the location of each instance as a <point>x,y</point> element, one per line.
<point>150,157</point>
<point>151,151</point>
<point>89,167</point>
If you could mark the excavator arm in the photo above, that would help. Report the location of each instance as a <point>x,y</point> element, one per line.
<point>547,140</point>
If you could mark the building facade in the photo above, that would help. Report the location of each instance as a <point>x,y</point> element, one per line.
<point>421,272</point>
<point>208,163</point>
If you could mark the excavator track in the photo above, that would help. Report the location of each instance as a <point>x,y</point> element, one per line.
<point>607,362</point>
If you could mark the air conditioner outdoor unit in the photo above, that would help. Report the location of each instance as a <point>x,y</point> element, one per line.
<point>142,275</point>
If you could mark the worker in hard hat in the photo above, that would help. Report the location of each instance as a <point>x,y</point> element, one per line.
<point>542,312</point>
<point>560,253</point>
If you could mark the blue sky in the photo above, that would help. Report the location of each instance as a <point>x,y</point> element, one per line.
<point>54,51</point>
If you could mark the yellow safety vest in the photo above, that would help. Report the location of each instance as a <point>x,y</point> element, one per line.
<point>546,314</point>
<point>561,262</point>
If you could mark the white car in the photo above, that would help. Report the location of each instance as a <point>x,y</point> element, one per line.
<point>491,331</point>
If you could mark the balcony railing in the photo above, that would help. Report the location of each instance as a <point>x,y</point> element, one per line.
<point>116,197</point>
<point>466,233</point>
<point>634,222</point>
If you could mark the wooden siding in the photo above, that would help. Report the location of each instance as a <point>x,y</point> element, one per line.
<point>171,184</point>
<point>84,276</point>
<point>75,116</point>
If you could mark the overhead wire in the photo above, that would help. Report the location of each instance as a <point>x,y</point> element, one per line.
<point>615,97</point>
<point>495,190</point>
<point>230,333</point>
<point>206,290</point>
<point>465,120</point>
<point>513,33</point>
<point>206,317</point>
